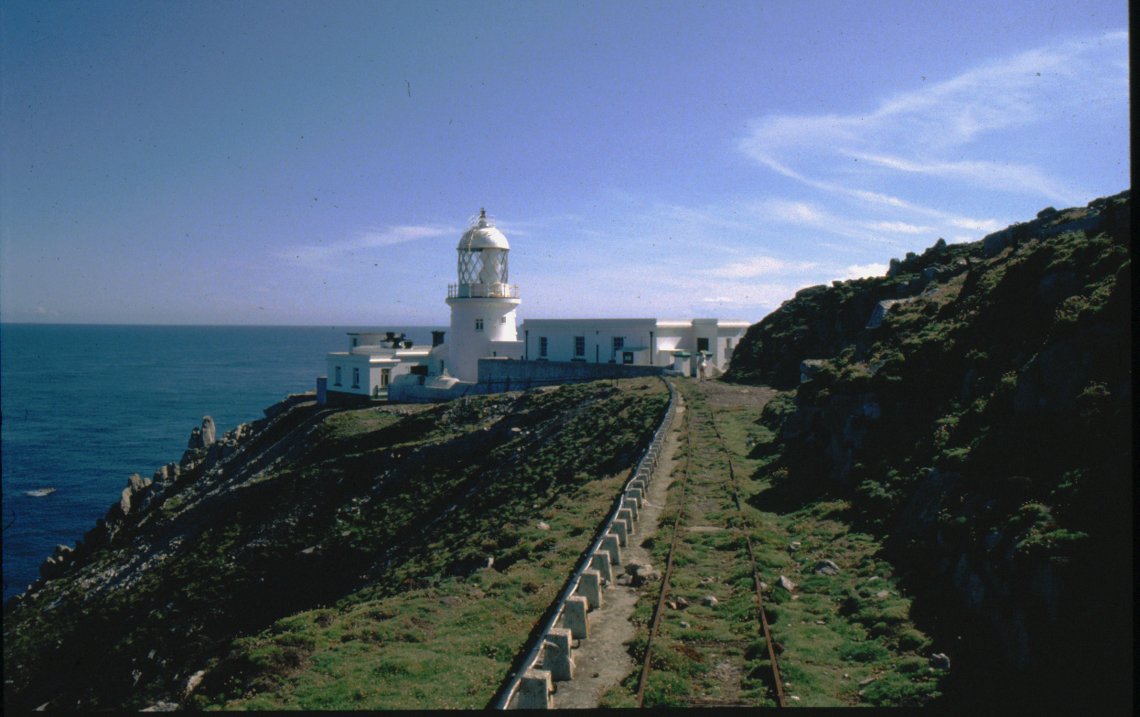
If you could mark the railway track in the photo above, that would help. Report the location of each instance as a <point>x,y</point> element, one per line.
<point>698,502</point>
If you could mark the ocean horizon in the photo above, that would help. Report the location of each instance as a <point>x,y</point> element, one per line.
<point>84,406</point>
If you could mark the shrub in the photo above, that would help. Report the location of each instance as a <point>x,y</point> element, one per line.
<point>863,652</point>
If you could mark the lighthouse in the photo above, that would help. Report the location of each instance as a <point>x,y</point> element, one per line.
<point>482,301</point>
<point>484,354</point>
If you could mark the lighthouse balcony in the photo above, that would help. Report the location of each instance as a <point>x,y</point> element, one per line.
<point>482,291</point>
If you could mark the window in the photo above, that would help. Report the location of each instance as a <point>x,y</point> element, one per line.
<point>386,377</point>
<point>355,341</point>
<point>627,357</point>
<point>502,319</point>
<point>356,378</point>
<point>337,381</point>
<point>542,346</point>
<point>579,345</point>
<point>702,344</point>
<point>478,324</point>
<point>619,343</point>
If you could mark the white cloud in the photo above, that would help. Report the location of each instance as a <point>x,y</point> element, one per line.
<point>318,255</point>
<point>899,228</point>
<point>964,131</point>
<point>860,271</point>
<point>980,225</point>
<point>759,266</point>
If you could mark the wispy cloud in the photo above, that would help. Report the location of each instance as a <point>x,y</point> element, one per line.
<point>321,254</point>
<point>859,271</point>
<point>899,228</point>
<point>955,131</point>
<point>759,266</point>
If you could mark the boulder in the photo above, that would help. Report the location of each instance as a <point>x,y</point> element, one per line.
<point>710,601</point>
<point>940,661</point>
<point>136,485</point>
<point>194,681</point>
<point>826,567</point>
<point>641,573</point>
<point>203,436</point>
<point>785,583</point>
<point>992,244</point>
<point>161,707</point>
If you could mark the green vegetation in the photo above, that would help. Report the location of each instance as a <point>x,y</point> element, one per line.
<point>981,431</point>
<point>835,633</point>
<point>340,562</point>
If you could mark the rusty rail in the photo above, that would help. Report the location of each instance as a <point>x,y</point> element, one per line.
<point>761,614</point>
<point>655,623</point>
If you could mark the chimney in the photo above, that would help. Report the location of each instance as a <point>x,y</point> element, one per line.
<point>437,338</point>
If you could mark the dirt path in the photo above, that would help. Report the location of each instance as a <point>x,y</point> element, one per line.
<point>602,660</point>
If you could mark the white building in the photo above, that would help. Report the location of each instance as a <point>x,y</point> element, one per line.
<point>638,342</point>
<point>372,362</point>
<point>484,326</point>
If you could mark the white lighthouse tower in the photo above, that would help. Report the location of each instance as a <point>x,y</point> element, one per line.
<point>482,302</point>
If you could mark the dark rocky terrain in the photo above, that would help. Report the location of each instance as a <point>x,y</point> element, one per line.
<point>263,553</point>
<point>975,407</point>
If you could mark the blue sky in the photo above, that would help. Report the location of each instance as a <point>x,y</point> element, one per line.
<point>315,163</point>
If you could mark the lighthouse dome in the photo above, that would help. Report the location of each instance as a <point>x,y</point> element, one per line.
<point>483,235</point>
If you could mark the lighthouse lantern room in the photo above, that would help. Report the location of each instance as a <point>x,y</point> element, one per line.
<point>483,303</point>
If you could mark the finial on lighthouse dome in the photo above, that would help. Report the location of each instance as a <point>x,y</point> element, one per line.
<point>483,234</point>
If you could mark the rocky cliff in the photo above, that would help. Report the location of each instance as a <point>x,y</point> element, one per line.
<point>330,539</point>
<point>974,405</point>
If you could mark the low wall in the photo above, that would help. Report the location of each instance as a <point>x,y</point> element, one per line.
<point>497,375</point>
<point>548,655</point>
<point>508,375</point>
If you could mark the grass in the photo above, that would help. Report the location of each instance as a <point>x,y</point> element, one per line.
<point>351,574</point>
<point>833,633</point>
<point>385,649</point>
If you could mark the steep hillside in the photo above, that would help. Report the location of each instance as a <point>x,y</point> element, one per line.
<point>331,558</point>
<point>974,406</point>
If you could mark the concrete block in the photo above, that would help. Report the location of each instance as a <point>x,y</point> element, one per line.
<point>556,655</point>
<point>635,495</point>
<point>601,563</point>
<point>626,516</point>
<point>534,690</point>
<point>574,617</point>
<point>631,505</point>
<point>590,587</point>
<point>610,545</point>
<point>621,530</point>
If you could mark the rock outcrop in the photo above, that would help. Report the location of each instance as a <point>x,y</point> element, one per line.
<point>978,415</point>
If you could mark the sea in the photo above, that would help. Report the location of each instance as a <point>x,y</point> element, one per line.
<point>85,406</point>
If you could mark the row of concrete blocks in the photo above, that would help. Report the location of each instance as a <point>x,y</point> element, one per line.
<point>556,656</point>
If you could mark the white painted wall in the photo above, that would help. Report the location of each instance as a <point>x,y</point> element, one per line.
<point>475,324</point>
<point>598,335</point>
<point>367,365</point>
<point>659,339</point>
